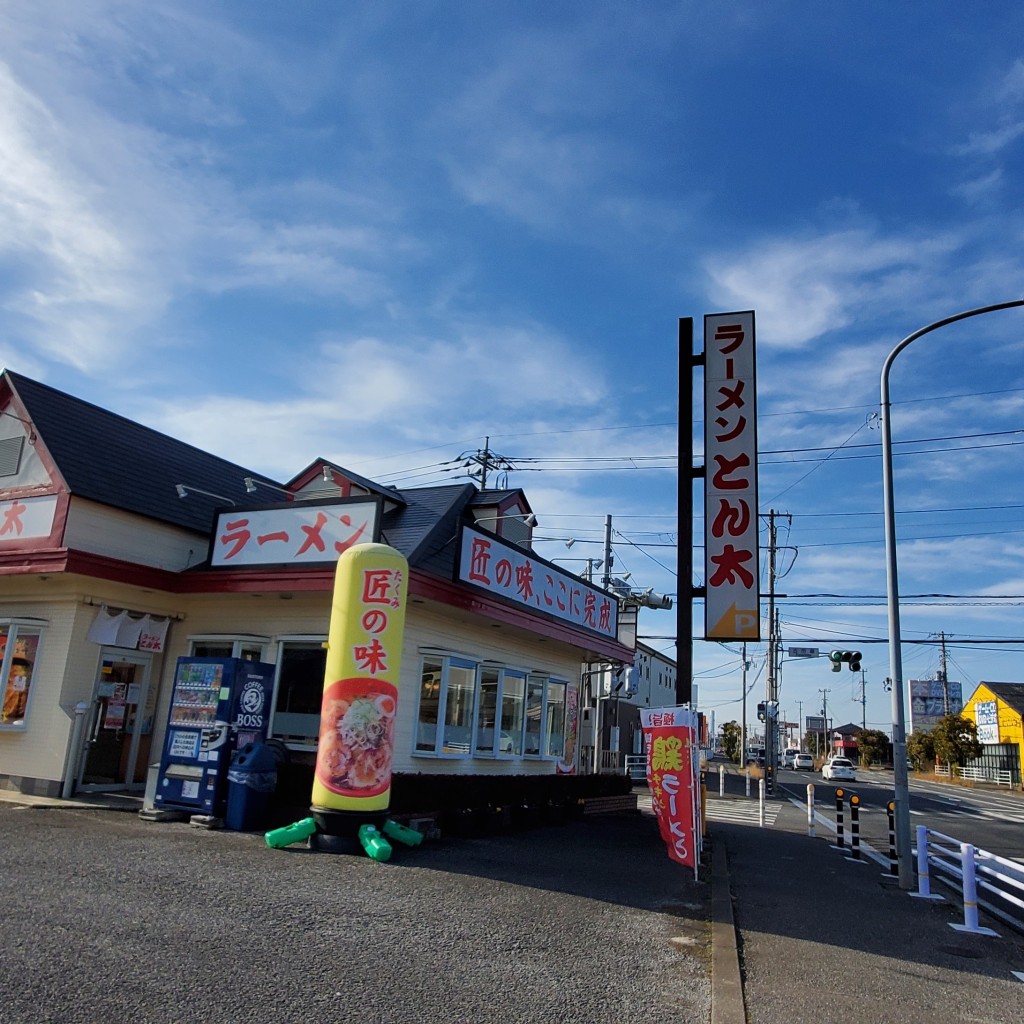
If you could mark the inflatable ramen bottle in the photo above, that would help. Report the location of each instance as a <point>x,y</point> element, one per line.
<point>352,781</point>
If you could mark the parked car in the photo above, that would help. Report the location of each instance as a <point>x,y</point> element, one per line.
<point>803,762</point>
<point>787,756</point>
<point>839,768</point>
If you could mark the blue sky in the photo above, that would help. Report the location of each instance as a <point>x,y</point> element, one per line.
<point>381,232</point>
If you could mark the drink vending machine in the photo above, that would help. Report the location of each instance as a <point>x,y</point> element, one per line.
<point>218,706</point>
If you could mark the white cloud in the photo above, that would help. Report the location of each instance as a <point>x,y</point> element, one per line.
<point>804,288</point>
<point>366,397</point>
<point>993,141</point>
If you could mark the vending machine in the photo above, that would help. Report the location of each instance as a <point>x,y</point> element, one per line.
<point>217,706</point>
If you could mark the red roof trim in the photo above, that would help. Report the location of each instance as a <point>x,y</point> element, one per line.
<point>310,580</point>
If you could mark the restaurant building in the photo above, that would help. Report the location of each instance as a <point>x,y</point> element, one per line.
<point>123,549</point>
<point>997,710</point>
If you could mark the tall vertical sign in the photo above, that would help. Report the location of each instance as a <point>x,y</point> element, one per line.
<point>360,700</point>
<point>731,564</point>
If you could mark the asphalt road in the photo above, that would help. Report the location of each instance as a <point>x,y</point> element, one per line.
<point>990,819</point>
<point>106,917</point>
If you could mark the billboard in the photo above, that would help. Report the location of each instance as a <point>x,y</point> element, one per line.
<point>732,608</point>
<point>928,702</point>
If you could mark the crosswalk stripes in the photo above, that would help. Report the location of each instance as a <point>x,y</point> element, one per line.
<point>743,812</point>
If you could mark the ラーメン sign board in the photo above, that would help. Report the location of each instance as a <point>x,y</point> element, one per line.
<point>732,608</point>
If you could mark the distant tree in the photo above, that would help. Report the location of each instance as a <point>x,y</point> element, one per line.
<point>873,745</point>
<point>921,748</point>
<point>956,740</point>
<point>814,743</point>
<point>731,737</point>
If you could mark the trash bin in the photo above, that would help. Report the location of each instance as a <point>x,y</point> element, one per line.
<point>252,779</point>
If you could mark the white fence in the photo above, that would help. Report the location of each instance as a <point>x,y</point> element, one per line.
<point>999,776</point>
<point>976,873</point>
<point>996,775</point>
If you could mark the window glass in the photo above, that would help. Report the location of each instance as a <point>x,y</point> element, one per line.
<point>534,710</point>
<point>300,689</point>
<point>430,700</point>
<point>458,709</point>
<point>554,720</point>
<point>487,710</point>
<point>18,650</point>
<point>211,648</point>
<point>513,708</point>
<point>225,647</point>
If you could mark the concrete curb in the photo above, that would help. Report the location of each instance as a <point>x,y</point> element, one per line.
<point>726,981</point>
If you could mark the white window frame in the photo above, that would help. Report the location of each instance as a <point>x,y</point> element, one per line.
<point>447,661</point>
<point>237,641</point>
<point>30,625</point>
<point>280,643</point>
<point>505,673</point>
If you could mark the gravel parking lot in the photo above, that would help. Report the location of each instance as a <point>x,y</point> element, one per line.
<point>105,916</point>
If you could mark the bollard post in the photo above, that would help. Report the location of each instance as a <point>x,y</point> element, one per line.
<point>840,793</point>
<point>721,780</point>
<point>970,894</point>
<point>760,798</point>
<point>810,809</point>
<point>855,826</point>
<point>924,890</point>
<point>748,782</point>
<point>890,810</point>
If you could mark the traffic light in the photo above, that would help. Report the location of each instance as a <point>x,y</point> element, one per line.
<point>762,713</point>
<point>851,658</point>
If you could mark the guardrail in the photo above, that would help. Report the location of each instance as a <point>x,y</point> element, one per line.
<point>974,872</point>
<point>943,770</point>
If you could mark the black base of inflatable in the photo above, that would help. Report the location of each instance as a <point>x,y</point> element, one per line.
<point>345,824</point>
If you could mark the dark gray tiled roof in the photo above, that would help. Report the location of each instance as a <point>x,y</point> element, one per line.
<point>112,460</point>
<point>1010,693</point>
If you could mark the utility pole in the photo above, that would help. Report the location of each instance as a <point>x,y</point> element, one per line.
<point>743,727</point>
<point>824,712</point>
<point>863,703</point>
<point>799,724</point>
<point>606,580</point>
<point>772,679</point>
<point>943,676</point>
<point>486,460</point>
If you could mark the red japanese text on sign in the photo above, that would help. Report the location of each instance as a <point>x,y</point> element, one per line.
<point>732,606</point>
<point>509,572</point>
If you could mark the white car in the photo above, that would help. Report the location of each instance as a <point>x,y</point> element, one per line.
<point>803,762</point>
<point>839,768</point>
<point>788,755</point>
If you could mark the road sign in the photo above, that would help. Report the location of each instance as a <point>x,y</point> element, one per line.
<point>803,652</point>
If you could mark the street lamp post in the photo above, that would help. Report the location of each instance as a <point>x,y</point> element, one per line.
<point>901,810</point>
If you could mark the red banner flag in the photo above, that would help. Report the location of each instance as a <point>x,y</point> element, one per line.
<point>670,740</point>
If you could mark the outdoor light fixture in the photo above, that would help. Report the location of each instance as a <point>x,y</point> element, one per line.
<point>185,489</point>
<point>252,485</point>
<point>569,543</point>
<point>529,519</point>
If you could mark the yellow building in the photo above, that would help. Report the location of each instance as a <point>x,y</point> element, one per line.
<point>997,709</point>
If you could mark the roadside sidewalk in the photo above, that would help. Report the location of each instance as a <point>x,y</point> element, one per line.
<point>824,938</point>
<point>84,801</point>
